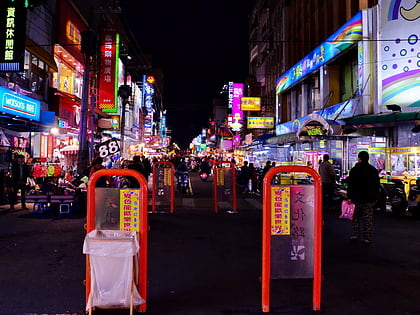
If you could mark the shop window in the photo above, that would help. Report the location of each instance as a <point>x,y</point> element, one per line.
<point>348,75</point>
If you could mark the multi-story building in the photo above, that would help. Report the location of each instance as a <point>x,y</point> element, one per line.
<point>325,70</point>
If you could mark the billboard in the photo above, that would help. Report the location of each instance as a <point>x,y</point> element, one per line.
<point>251,103</point>
<point>19,105</point>
<point>335,44</point>
<point>237,114</point>
<point>260,122</point>
<point>12,34</point>
<point>399,46</point>
<point>108,74</point>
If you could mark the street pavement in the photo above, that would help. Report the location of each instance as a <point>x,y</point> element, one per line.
<point>203,262</point>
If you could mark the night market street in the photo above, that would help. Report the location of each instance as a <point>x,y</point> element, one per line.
<point>200,262</point>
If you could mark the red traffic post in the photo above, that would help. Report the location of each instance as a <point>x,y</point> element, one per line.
<point>220,180</point>
<point>281,219</point>
<point>165,180</point>
<point>142,227</point>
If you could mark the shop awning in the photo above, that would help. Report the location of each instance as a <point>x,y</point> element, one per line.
<point>287,137</point>
<point>388,119</point>
<point>69,149</point>
<point>42,54</point>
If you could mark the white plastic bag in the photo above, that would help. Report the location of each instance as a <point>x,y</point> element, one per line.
<point>111,256</point>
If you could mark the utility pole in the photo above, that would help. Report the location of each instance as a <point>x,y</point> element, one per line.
<point>88,49</point>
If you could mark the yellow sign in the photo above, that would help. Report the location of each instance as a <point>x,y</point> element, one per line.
<point>280,210</point>
<point>260,122</point>
<point>167,177</point>
<point>130,210</point>
<point>251,103</point>
<point>220,176</point>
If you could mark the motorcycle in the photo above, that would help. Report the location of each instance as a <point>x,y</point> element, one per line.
<point>204,175</point>
<point>182,182</point>
<point>398,198</point>
<point>414,200</point>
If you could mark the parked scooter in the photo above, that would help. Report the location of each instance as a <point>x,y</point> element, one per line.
<point>414,200</point>
<point>183,182</point>
<point>398,198</point>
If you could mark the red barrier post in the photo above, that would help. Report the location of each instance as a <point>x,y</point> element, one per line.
<point>266,246</point>
<point>216,183</point>
<point>171,184</point>
<point>90,225</point>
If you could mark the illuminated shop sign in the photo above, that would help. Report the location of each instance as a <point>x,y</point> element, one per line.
<point>251,103</point>
<point>19,105</point>
<point>12,34</point>
<point>260,122</point>
<point>399,53</point>
<point>108,76</point>
<point>237,114</point>
<point>342,39</point>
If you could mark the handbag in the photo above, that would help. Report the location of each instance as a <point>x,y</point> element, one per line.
<point>347,210</point>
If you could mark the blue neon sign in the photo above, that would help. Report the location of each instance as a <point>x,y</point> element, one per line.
<point>342,39</point>
<point>19,105</point>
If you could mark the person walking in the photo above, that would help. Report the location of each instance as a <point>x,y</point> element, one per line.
<point>138,166</point>
<point>20,174</point>
<point>328,179</point>
<point>363,190</point>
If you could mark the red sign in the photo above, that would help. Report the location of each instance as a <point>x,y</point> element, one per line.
<point>107,91</point>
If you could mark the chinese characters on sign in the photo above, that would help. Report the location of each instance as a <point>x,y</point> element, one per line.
<point>107,77</point>
<point>280,210</point>
<point>298,224</point>
<point>129,210</point>
<point>12,34</point>
<point>220,176</point>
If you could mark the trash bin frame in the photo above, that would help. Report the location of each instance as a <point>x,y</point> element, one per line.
<point>143,228</point>
<point>172,188</point>
<point>266,233</point>
<point>216,183</point>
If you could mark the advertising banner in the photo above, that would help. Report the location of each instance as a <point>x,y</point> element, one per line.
<point>399,46</point>
<point>251,103</point>
<point>108,75</point>
<point>260,122</point>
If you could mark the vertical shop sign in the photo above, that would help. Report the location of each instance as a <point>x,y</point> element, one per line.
<point>129,210</point>
<point>237,114</point>
<point>12,34</point>
<point>108,75</point>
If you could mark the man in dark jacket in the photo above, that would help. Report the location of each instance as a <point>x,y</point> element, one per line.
<point>20,173</point>
<point>363,191</point>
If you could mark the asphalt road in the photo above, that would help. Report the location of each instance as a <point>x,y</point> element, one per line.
<point>202,262</point>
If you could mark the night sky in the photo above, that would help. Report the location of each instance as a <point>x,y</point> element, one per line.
<point>200,46</point>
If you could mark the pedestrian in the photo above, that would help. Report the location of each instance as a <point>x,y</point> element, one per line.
<point>253,175</point>
<point>20,174</point>
<point>147,167</point>
<point>103,181</point>
<point>136,165</point>
<point>328,179</point>
<point>363,190</point>
<point>244,177</point>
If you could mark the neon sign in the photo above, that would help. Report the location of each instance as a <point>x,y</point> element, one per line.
<point>19,105</point>
<point>108,77</point>
<point>12,34</point>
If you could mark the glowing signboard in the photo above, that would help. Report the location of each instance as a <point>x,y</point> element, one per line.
<point>12,34</point>
<point>251,103</point>
<point>108,76</point>
<point>19,105</point>
<point>399,57</point>
<point>260,122</point>
<point>342,39</point>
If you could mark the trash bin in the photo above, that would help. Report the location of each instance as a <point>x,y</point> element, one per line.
<point>111,260</point>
